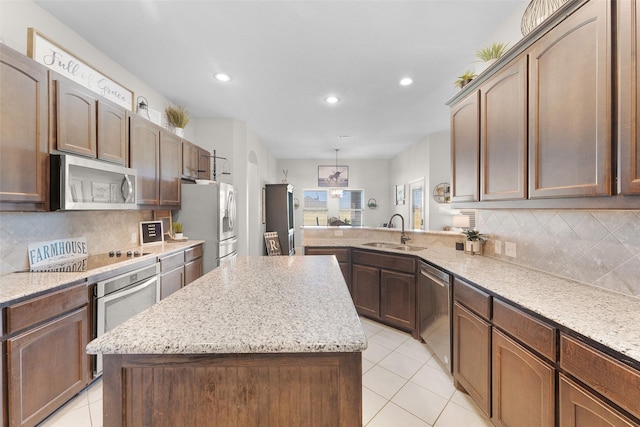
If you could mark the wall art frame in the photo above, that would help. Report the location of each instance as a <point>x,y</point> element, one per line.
<point>57,58</point>
<point>333,176</point>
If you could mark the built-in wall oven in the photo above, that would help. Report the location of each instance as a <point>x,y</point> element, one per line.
<point>434,307</point>
<point>119,298</point>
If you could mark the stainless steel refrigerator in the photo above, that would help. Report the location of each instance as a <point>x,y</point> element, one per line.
<point>208,213</point>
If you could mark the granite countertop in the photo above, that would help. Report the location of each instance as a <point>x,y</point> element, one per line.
<point>606,317</point>
<point>15,287</point>
<point>249,305</point>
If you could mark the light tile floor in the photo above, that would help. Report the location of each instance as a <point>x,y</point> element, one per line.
<point>402,385</point>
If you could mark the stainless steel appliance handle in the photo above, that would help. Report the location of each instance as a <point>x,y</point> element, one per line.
<point>127,188</point>
<point>438,280</point>
<point>120,294</point>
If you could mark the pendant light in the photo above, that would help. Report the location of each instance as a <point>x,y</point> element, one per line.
<point>336,192</point>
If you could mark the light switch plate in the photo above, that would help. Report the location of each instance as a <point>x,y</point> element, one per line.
<point>338,233</point>
<point>134,237</point>
<point>498,247</point>
<point>510,249</point>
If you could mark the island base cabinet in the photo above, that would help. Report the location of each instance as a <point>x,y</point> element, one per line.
<point>523,386</point>
<point>579,408</point>
<point>305,389</point>
<point>46,367</point>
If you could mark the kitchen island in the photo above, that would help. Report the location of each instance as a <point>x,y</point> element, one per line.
<point>267,341</point>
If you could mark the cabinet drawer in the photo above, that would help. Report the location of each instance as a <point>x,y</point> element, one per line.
<point>342,254</point>
<point>171,261</point>
<point>27,313</point>
<point>193,253</point>
<point>615,381</point>
<point>526,329</point>
<point>391,262</point>
<point>472,297</point>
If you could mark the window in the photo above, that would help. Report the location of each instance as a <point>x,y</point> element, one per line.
<point>315,207</point>
<point>320,209</point>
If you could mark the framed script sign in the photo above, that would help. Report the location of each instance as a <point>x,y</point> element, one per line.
<point>64,62</point>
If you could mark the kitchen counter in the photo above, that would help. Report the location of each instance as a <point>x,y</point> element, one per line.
<point>269,338</point>
<point>15,287</point>
<point>251,305</point>
<point>606,317</point>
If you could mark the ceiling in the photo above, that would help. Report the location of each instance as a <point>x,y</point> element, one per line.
<point>285,57</point>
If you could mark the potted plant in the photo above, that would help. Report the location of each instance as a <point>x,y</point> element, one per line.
<point>177,230</point>
<point>473,245</point>
<point>464,79</point>
<point>178,118</point>
<point>493,52</point>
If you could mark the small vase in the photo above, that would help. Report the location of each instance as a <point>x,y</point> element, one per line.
<point>178,236</point>
<point>472,247</point>
<point>179,132</point>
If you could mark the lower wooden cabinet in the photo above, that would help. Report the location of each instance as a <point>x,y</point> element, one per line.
<point>472,355</point>
<point>179,269</point>
<point>579,408</point>
<point>46,366</point>
<point>171,281</point>
<point>523,386</point>
<point>193,270</point>
<point>398,298</point>
<point>366,290</point>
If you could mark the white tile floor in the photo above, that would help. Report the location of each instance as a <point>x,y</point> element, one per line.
<point>402,385</point>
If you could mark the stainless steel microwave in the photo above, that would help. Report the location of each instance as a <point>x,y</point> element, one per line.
<point>79,183</point>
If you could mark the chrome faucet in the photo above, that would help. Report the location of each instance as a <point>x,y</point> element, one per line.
<point>403,237</point>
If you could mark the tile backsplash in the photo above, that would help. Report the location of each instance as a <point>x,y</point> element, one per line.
<point>600,248</point>
<point>104,231</point>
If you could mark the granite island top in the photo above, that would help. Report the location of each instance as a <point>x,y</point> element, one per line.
<point>15,287</point>
<point>607,317</point>
<point>249,305</point>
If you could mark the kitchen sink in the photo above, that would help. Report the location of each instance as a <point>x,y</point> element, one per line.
<point>393,246</point>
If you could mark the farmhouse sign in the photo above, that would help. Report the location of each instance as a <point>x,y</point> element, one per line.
<point>58,255</point>
<point>65,63</point>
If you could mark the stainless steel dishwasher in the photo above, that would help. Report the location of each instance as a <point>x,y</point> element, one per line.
<point>434,308</point>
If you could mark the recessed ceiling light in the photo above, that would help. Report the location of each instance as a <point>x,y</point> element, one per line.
<point>222,77</point>
<point>406,81</point>
<point>331,99</point>
<point>345,136</point>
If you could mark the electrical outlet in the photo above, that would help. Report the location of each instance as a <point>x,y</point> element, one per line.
<point>498,247</point>
<point>134,237</point>
<point>510,249</point>
<point>337,233</point>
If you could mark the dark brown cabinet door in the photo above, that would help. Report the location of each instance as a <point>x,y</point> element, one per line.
<point>398,298</point>
<point>366,290</point>
<point>23,134</point>
<point>193,270</point>
<point>579,408</point>
<point>629,95</point>
<point>171,282</point>
<point>75,117</point>
<point>170,168</point>
<point>46,366</point>
<point>144,156</point>
<point>343,255</point>
<point>570,107</point>
<point>503,134</point>
<point>465,149</point>
<point>189,160</point>
<point>112,133</point>
<point>204,164</point>
<point>523,386</point>
<point>472,355</point>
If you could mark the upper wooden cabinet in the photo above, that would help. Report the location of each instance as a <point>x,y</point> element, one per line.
<point>629,95</point>
<point>144,156</point>
<point>170,168</point>
<point>204,164</point>
<point>84,123</point>
<point>503,133</point>
<point>570,106</point>
<point>190,159</point>
<point>23,134</point>
<point>465,148</point>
